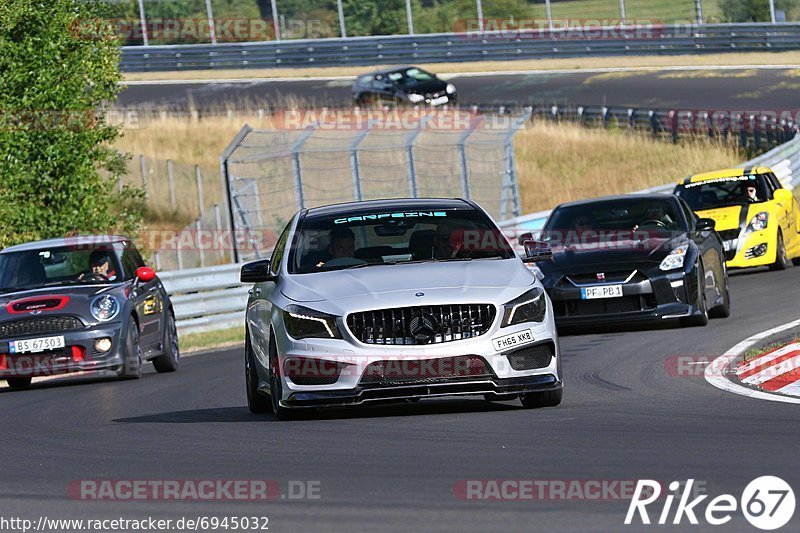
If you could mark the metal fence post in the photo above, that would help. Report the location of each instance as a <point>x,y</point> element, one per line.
<point>412,169</point>
<point>171,178</point>
<point>143,20</point>
<point>226,185</point>
<point>199,179</point>
<point>198,227</point>
<point>342,29</point>
<point>143,168</point>
<point>462,156</point>
<point>511,163</point>
<point>298,175</point>
<point>218,221</point>
<point>355,167</point>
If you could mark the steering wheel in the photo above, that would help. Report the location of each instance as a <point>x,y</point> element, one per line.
<point>97,276</point>
<point>343,261</point>
<point>651,222</point>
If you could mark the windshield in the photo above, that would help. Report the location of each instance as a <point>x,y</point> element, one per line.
<point>724,192</point>
<point>335,242</point>
<point>620,219</point>
<point>411,76</point>
<point>58,266</point>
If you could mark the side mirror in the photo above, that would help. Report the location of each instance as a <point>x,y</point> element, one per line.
<point>536,251</point>
<point>704,224</point>
<point>256,272</point>
<point>783,196</point>
<point>524,237</point>
<point>145,274</point>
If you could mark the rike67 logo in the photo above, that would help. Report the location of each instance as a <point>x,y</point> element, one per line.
<point>767,503</point>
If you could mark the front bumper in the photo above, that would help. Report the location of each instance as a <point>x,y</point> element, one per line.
<point>491,386</point>
<point>429,364</point>
<point>64,361</point>
<point>758,248</point>
<point>652,297</point>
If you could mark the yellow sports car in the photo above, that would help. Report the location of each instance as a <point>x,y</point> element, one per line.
<point>757,218</point>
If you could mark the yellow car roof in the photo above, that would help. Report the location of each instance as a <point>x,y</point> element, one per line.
<point>726,173</point>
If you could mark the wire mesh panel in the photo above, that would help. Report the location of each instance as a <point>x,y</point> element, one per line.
<point>273,173</point>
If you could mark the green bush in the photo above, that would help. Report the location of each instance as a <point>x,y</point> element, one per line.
<point>58,171</point>
<point>752,10</point>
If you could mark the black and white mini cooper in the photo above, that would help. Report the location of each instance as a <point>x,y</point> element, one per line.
<point>82,304</point>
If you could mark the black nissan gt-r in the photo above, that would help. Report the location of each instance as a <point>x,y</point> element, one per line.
<point>633,258</point>
<point>80,304</point>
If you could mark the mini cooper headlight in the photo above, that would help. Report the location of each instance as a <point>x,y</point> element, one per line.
<point>675,258</point>
<point>303,323</point>
<point>104,308</point>
<point>415,98</point>
<point>758,222</point>
<point>451,88</point>
<point>530,307</point>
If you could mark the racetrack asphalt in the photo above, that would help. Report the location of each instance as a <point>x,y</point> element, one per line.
<point>748,89</point>
<point>625,416</point>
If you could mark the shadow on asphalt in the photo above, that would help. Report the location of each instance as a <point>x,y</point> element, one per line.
<point>242,414</point>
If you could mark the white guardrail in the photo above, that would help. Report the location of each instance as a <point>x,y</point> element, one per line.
<point>212,298</point>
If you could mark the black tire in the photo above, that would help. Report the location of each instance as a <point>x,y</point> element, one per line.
<point>782,261</point>
<point>131,367</point>
<point>723,310</point>
<point>18,383</point>
<point>171,358</point>
<point>276,388</point>
<point>257,403</point>
<point>701,319</point>
<point>535,400</point>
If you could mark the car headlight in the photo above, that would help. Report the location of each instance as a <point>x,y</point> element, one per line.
<point>675,258</point>
<point>530,307</point>
<point>104,308</point>
<point>303,323</point>
<point>415,98</point>
<point>758,222</point>
<point>534,268</point>
<point>451,88</point>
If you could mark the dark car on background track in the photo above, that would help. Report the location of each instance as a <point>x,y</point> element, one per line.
<point>633,258</point>
<point>403,86</point>
<point>82,304</point>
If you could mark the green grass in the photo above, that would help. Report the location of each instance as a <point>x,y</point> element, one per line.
<point>753,353</point>
<point>194,342</point>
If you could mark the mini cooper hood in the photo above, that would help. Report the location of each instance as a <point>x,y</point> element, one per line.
<point>70,300</point>
<point>384,279</point>
<point>577,255</point>
<point>725,217</point>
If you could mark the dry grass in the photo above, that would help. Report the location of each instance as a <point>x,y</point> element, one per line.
<point>646,62</point>
<point>559,163</point>
<point>555,163</point>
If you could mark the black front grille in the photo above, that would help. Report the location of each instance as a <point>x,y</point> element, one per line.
<point>406,371</point>
<point>421,325</point>
<point>531,357</point>
<point>624,304</point>
<point>39,324</point>
<point>591,278</point>
<point>729,234</point>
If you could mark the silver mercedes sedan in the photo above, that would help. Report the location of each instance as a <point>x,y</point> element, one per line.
<point>397,300</point>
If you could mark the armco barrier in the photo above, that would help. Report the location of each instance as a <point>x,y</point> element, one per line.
<point>206,298</point>
<point>460,47</point>
<point>213,298</point>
